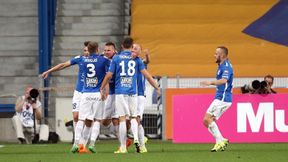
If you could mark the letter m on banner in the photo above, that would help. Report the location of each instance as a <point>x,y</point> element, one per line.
<point>246,113</point>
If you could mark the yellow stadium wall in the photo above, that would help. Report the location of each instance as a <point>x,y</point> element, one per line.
<point>182,36</point>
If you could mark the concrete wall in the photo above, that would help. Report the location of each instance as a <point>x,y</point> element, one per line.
<point>18,46</point>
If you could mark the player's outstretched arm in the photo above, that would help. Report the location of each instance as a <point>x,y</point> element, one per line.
<point>58,67</point>
<point>217,82</point>
<point>103,89</point>
<point>151,81</point>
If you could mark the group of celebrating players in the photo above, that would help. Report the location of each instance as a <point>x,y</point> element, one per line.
<point>96,102</point>
<point>110,88</point>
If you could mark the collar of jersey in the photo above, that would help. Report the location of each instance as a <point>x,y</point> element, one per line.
<point>93,54</point>
<point>223,62</point>
<point>125,53</point>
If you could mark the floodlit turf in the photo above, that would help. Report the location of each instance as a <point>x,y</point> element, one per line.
<point>158,152</point>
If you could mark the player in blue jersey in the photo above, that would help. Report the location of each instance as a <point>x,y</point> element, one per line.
<point>223,97</point>
<point>109,115</point>
<point>79,85</point>
<point>136,51</point>
<point>109,110</point>
<point>91,105</point>
<point>125,68</point>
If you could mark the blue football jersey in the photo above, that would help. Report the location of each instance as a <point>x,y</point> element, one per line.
<point>126,70</point>
<point>112,85</point>
<point>80,78</point>
<point>95,68</point>
<point>224,91</point>
<point>111,82</point>
<point>141,82</point>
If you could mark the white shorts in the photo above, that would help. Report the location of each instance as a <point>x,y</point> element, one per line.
<point>126,105</point>
<point>140,106</point>
<point>91,106</point>
<point>217,108</point>
<point>109,110</point>
<point>76,101</point>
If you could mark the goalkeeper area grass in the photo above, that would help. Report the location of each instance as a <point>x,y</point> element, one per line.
<point>158,151</point>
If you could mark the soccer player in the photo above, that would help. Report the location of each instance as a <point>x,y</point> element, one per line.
<point>91,105</point>
<point>79,85</point>
<point>109,115</point>
<point>109,110</point>
<point>125,68</point>
<point>136,51</point>
<point>223,97</point>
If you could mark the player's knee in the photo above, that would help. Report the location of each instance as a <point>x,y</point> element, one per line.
<point>115,121</point>
<point>88,123</point>
<point>128,124</point>
<point>122,118</point>
<point>206,122</point>
<point>106,122</point>
<point>138,120</point>
<point>75,117</point>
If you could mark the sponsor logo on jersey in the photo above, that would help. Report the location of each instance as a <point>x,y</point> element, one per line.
<point>91,82</point>
<point>126,81</point>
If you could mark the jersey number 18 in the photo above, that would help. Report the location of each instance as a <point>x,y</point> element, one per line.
<point>131,68</point>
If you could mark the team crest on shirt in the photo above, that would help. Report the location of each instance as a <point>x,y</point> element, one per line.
<point>91,82</point>
<point>218,72</point>
<point>126,81</point>
<point>226,72</point>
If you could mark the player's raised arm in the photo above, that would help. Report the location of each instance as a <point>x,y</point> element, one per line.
<point>146,60</point>
<point>151,81</point>
<point>58,67</point>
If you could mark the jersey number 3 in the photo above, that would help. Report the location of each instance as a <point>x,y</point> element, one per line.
<point>91,69</point>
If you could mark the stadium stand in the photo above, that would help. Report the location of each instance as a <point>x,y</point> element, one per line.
<point>18,45</point>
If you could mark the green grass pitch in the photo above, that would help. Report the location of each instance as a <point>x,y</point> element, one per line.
<point>158,151</point>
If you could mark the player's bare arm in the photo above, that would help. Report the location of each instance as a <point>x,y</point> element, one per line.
<point>103,89</point>
<point>217,82</point>
<point>106,91</point>
<point>151,81</point>
<point>56,68</point>
<point>146,60</point>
